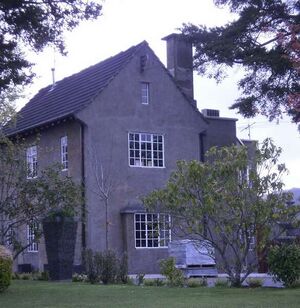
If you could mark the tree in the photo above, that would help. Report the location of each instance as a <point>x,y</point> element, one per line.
<point>226,204</point>
<point>36,24</point>
<point>26,202</point>
<point>264,40</point>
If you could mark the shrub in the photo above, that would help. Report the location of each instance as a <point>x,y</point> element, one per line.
<point>105,267</point>
<point>254,282</point>
<point>221,283</point>
<point>44,276</point>
<point>79,278</point>
<point>123,269</point>
<point>174,275</point>
<point>284,263</point>
<point>109,267</point>
<point>5,268</point>
<point>140,279</point>
<point>90,267</point>
<point>196,282</point>
<point>154,282</point>
<point>26,276</point>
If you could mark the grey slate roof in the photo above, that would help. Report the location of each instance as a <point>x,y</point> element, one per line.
<point>70,94</point>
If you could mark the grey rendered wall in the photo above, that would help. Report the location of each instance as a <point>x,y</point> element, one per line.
<point>48,152</point>
<point>220,132</point>
<point>117,111</point>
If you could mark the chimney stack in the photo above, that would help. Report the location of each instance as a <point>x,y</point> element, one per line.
<point>180,62</point>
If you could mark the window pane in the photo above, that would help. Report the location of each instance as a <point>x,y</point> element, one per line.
<point>148,148</point>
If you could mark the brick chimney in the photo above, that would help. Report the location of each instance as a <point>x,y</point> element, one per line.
<point>180,62</point>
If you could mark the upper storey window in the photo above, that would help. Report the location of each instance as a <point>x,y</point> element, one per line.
<point>31,159</point>
<point>145,93</point>
<point>64,152</point>
<point>146,150</point>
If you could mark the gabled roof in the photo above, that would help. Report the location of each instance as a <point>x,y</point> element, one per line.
<point>70,94</point>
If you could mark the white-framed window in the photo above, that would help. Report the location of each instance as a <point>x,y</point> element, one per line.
<point>145,86</point>
<point>64,152</point>
<point>10,236</point>
<point>31,235</point>
<point>146,150</point>
<point>152,230</point>
<point>31,159</point>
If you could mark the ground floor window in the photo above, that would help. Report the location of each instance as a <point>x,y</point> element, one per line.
<point>31,237</point>
<point>152,230</point>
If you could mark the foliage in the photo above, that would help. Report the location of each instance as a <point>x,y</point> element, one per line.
<point>34,25</point>
<point>105,267</point>
<point>92,266</point>
<point>255,282</point>
<point>110,267</point>
<point>284,263</point>
<point>227,202</point>
<point>196,282</point>
<point>26,202</point>
<point>140,279</point>
<point>154,282</point>
<point>264,40</point>
<point>174,275</point>
<point>5,268</point>
<point>123,269</point>
<point>221,283</point>
<point>80,278</point>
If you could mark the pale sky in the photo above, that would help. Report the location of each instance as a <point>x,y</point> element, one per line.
<point>128,22</point>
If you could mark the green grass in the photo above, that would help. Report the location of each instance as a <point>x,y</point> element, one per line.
<point>53,294</point>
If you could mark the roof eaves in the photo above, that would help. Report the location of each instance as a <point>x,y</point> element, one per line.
<point>43,123</point>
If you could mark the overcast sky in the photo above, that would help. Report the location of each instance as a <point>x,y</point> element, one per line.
<point>128,22</point>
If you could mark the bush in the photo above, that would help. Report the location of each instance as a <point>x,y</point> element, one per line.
<point>91,267</point>
<point>5,268</point>
<point>221,283</point>
<point>123,269</point>
<point>79,278</point>
<point>105,267</point>
<point>109,267</point>
<point>254,282</point>
<point>196,282</point>
<point>154,282</point>
<point>140,279</point>
<point>284,263</point>
<point>174,275</point>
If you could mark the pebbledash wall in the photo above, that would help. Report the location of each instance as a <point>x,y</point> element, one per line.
<point>98,140</point>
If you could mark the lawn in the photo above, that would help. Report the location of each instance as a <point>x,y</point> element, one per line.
<point>65,294</point>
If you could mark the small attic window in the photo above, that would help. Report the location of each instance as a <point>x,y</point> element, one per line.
<point>145,93</point>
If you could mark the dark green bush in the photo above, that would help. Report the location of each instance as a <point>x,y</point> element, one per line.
<point>196,282</point>
<point>254,282</point>
<point>174,275</point>
<point>5,268</point>
<point>123,269</point>
<point>109,267</point>
<point>140,279</point>
<point>90,267</point>
<point>105,267</point>
<point>221,283</point>
<point>284,263</point>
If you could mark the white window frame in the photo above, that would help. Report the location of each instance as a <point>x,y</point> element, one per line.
<point>152,230</point>
<point>33,245</point>
<point>146,150</point>
<point>145,93</point>
<point>9,236</point>
<point>31,160</point>
<point>64,153</point>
